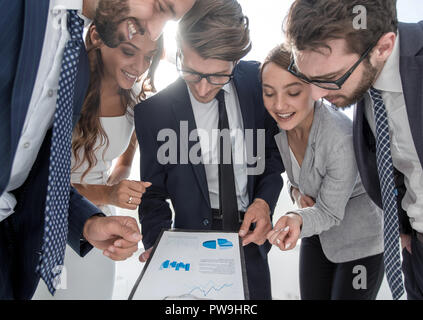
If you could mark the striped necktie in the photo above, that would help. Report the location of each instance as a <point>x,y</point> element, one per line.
<point>385,167</point>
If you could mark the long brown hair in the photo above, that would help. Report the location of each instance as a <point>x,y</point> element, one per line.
<point>89,128</point>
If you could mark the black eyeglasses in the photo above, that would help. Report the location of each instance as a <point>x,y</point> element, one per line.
<point>195,77</point>
<point>329,85</point>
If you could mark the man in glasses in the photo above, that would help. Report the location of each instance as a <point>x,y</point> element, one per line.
<point>379,68</point>
<point>210,183</point>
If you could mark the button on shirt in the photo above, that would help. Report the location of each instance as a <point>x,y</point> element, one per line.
<point>39,117</point>
<point>207,120</point>
<point>403,150</point>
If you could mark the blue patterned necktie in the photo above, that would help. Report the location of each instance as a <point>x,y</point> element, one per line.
<point>385,167</point>
<point>58,190</point>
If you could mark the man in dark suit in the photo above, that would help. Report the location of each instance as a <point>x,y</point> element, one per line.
<point>362,55</point>
<point>32,233</point>
<point>215,93</point>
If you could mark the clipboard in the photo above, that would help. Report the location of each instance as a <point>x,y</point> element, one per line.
<point>202,293</point>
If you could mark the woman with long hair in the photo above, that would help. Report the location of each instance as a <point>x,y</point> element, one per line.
<point>105,131</point>
<point>122,74</point>
<point>341,253</point>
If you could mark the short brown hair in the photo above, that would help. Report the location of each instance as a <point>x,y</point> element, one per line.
<point>280,55</point>
<point>216,29</point>
<point>311,23</point>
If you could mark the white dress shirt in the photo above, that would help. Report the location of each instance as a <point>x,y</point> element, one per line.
<point>403,150</point>
<point>39,117</point>
<point>207,119</point>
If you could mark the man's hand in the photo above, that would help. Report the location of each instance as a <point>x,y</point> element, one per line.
<point>286,232</point>
<point>259,213</point>
<point>118,237</point>
<point>406,242</point>
<point>145,255</point>
<point>302,200</point>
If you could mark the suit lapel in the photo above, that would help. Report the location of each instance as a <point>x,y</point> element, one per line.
<point>248,117</point>
<point>308,160</point>
<point>283,146</point>
<point>365,153</point>
<point>244,98</point>
<point>182,110</point>
<point>36,13</point>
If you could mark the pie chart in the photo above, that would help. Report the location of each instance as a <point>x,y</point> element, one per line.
<point>219,243</point>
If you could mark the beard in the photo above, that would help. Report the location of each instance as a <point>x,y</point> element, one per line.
<point>367,80</point>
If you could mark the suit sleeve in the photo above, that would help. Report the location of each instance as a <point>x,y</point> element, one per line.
<point>154,210</point>
<point>80,210</point>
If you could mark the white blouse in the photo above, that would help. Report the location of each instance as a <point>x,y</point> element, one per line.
<point>119,132</point>
<point>296,169</point>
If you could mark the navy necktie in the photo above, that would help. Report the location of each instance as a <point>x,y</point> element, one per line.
<point>58,190</point>
<point>228,204</point>
<point>392,257</point>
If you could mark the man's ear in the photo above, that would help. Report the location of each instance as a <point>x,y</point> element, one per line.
<point>95,37</point>
<point>384,47</point>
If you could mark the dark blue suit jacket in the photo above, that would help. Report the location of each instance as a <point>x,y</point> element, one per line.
<point>186,184</point>
<point>23,29</point>
<point>411,69</point>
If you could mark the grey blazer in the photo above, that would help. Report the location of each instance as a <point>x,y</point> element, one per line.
<point>349,224</point>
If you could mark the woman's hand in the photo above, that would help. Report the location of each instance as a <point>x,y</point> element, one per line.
<point>302,200</point>
<point>286,232</point>
<point>127,194</point>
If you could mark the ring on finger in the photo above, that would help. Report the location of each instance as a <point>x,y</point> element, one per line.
<point>130,200</point>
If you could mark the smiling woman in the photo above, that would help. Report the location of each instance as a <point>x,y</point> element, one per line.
<point>113,75</point>
<point>105,132</point>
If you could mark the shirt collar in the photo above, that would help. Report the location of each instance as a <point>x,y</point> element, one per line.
<point>58,5</point>
<point>389,79</point>
<point>68,4</point>
<point>228,88</point>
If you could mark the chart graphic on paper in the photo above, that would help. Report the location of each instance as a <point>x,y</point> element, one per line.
<point>194,265</point>
<point>208,289</point>
<point>218,244</point>
<point>175,265</point>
